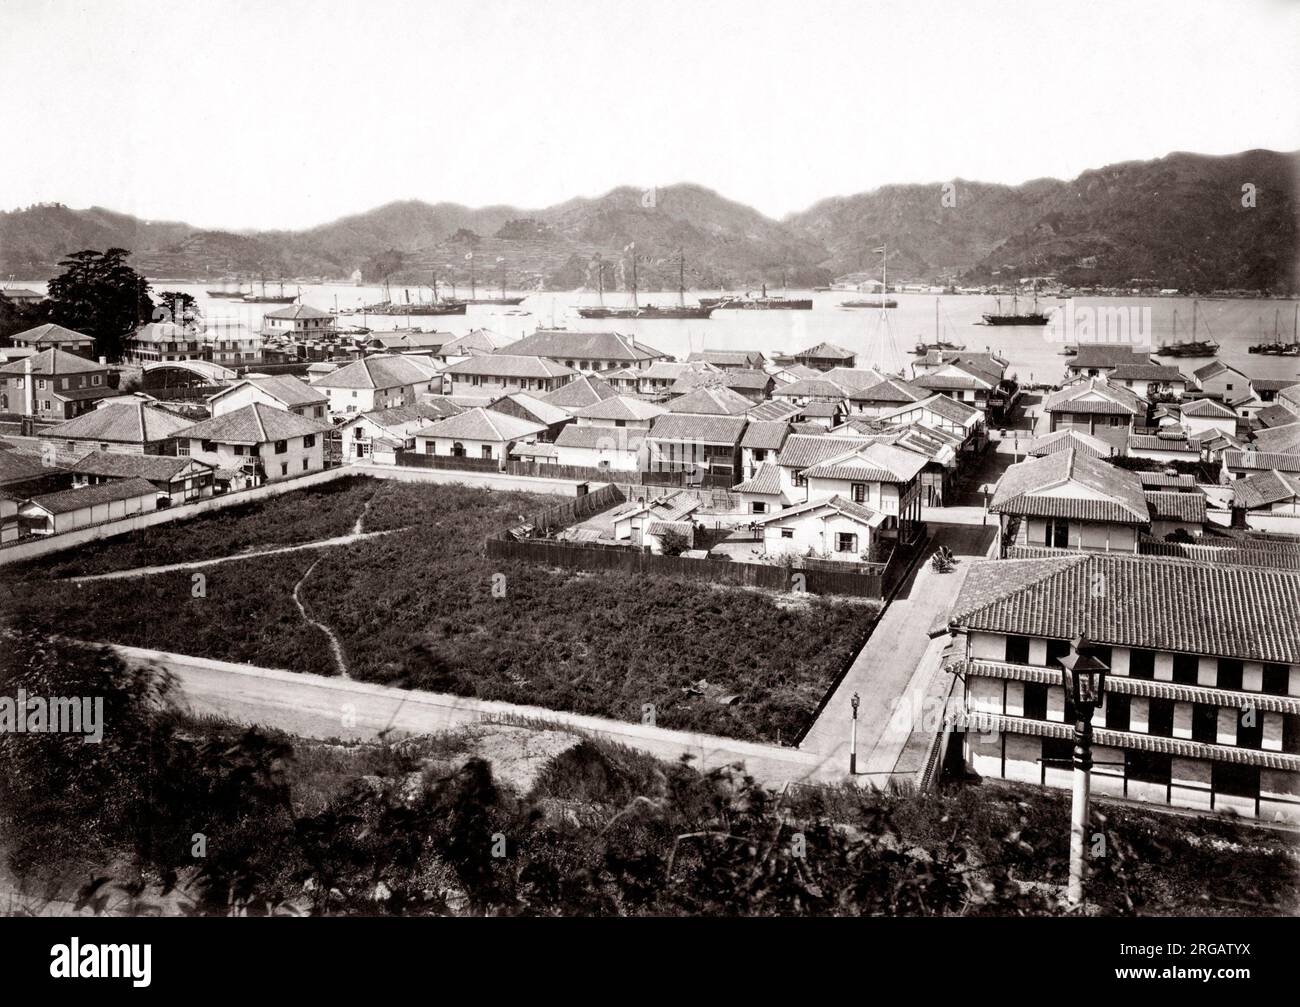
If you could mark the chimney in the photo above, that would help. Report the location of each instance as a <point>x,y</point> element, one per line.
<point>29,390</point>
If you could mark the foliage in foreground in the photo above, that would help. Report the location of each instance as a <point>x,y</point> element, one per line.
<point>410,828</point>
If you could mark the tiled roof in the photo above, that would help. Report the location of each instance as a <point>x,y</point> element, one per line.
<point>581,391</point>
<point>853,378</point>
<point>1273,384</point>
<point>429,409</point>
<point>1282,555</point>
<point>410,340</point>
<point>155,468</point>
<point>1155,442</point>
<point>803,450</point>
<point>297,311</point>
<point>1102,355</point>
<point>1208,408</point>
<point>1281,439</point>
<point>812,388</point>
<point>1063,440</point>
<point>510,365</point>
<point>381,371</point>
<point>856,511</point>
<point>1138,601</point>
<point>1276,415</point>
<point>609,438</point>
<point>965,377</point>
<point>729,358</point>
<point>746,378</point>
<point>52,361</point>
<point>988,362</point>
<point>1261,460</point>
<point>17,467</point>
<point>285,387</point>
<point>1024,488</point>
<point>766,481</point>
<point>257,423</point>
<point>1147,372</point>
<point>822,410</point>
<point>478,341</point>
<point>682,427</point>
<point>124,423</point>
<point>711,402</point>
<point>773,409</point>
<point>50,333</point>
<point>1162,480</point>
<point>88,496</point>
<point>890,390</point>
<point>1211,370</point>
<point>1095,396</point>
<point>481,424</point>
<point>767,435</point>
<point>941,405</point>
<point>543,412</point>
<point>621,407</point>
<point>1265,489</point>
<point>565,345</point>
<point>1174,506</point>
<point>825,351</point>
<point>875,462</point>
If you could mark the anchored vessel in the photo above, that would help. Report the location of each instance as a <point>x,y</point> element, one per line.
<point>1188,347</point>
<point>1277,348</point>
<point>473,286</point>
<point>1016,316</point>
<point>650,311</point>
<point>265,298</point>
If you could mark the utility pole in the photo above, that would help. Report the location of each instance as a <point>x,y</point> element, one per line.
<point>853,737</point>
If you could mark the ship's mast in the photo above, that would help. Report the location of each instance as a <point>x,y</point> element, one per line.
<point>473,287</point>
<point>681,277</point>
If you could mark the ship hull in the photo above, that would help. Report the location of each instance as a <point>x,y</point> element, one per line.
<point>511,301</point>
<point>756,304</point>
<point>1032,319</point>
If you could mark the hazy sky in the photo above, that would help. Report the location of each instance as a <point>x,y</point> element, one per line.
<point>236,114</point>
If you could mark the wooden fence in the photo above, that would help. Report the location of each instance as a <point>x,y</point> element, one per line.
<point>413,459</point>
<point>582,556</point>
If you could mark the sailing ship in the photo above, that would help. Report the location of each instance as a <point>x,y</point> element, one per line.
<point>922,349</point>
<point>1277,348</point>
<point>650,311</point>
<point>437,306</point>
<point>1188,347</point>
<point>1015,316</point>
<point>265,298</point>
<point>473,287</point>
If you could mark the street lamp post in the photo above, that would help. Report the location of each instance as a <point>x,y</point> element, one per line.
<point>1084,680</point>
<point>853,737</point>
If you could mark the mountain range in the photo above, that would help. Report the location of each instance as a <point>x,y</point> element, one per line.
<point>1191,221</point>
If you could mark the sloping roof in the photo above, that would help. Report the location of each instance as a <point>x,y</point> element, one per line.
<point>583,390</point>
<point>89,496</point>
<point>961,376</point>
<point>621,407</point>
<point>1261,460</point>
<point>165,332</point>
<point>889,389</point>
<point>1104,355</point>
<point>257,423</point>
<point>1163,480</point>
<point>52,334</point>
<point>766,481</point>
<point>766,435</point>
<point>852,378</point>
<point>1174,506</point>
<point>875,462</point>
<point>1145,602</point>
<point>803,450</point>
<point>477,341</point>
<point>1147,372</point>
<point>155,468</point>
<point>121,423</point>
<point>1276,415</point>
<point>286,388</point>
<point>480,424</point>
<point>822,388</point>
<point>941,405</point>
<point>701,429</point>
<point>1265,489</point>
<point>1158,442</point>
<point>1208,408</point>
<point>562,344</point>
<point>382,371</point>
<point>857,512</point>
<point>1063,440</point>
<point>410,340</point>
<point>747,378</point>
<point>1024,488</point>
<point>542,412</point>
<point>609,438</point>
<point>17,467</point>
<point>825,351</point>
<point>822,410</point>
<point>1272,384</point>
<point>298,311</point>
<point>510,365</point>
<point>1095,396</point>
<point>728,358</point>
<point>773,409</point>
<point>52,361</point>
<point>1283,439</point>
<point>983,361</point>
<point>1212,370</point>
<point>711,402</point>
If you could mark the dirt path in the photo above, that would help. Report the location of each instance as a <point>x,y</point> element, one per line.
<point>339,660</point>
<point>146,571</point>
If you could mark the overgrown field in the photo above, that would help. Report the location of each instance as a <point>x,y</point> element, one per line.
<point>414,828</point>
<point>424,608</point>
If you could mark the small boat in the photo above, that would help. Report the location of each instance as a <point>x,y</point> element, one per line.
<point>922,349</point>
<point>1277,348</point>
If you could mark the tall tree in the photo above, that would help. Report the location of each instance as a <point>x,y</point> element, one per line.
<point>99,294</point>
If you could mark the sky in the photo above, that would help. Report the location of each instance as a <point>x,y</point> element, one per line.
<point>287,114</point>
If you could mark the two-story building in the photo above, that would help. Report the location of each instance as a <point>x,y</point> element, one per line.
<point>256,444</point>
<point>1093,405</point>
<point>54,385</point>
<point>492,375</point>
<point>51,336</point>
<point>707,446</point>
<point>1201,709</point>
<point>136,428</point>
<point>283,391</point>
<point>477,433</point>
<point>378,382</point>
<point>588,351</point>
<point>298,322</point>
<point>157,341</point>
